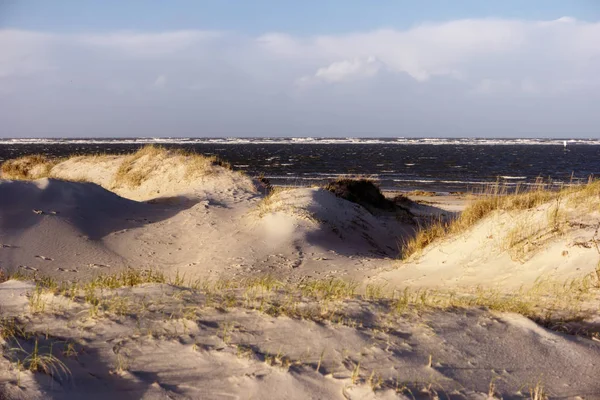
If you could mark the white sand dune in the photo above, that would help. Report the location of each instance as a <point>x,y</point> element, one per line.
<point>60,227</point>
<point>509,249</point>
<point>76,229</point>
<point>210,334</point>
<point>157,173</point>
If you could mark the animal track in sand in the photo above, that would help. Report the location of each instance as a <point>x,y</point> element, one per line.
<point>44,258</point>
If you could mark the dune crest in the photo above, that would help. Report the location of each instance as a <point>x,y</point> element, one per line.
<point>151,172</point>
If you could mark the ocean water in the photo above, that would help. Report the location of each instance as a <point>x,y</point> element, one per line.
<point>443,165</point>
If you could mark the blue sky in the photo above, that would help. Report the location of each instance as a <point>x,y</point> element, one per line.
<point>259,16</point>
<point>301,68</point>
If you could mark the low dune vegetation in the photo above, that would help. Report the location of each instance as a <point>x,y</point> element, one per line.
<point>143,311</point>
<point>137,167</point>
<point>149,173</point>
<point>552,303</point>
<point>28,167</point>
<point>583,197</point>
<point>133,170</point>
<point>366,193</point>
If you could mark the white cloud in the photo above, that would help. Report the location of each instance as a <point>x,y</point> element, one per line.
<point>347,70</point>
<point>24,53</point>
<point>148,44</point>
<point>418,80</point>
<point>160,81</point>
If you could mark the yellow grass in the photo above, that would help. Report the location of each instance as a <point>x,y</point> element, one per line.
<point>325,299</point>
<point>137,167</point>
<point>28,167</point>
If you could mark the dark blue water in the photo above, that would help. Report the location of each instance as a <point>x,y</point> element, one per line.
<point>450,165</point>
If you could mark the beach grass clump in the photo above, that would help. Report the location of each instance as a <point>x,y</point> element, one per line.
<point>127,278</point>
<point>587,197</point>
<point>268,203</point>
<point>277,201</point>
<point>30,167</point>
<point>30,351</point>
<point>39,359</point>
<point>132,171</point>
<point>329,289</point>
<point>424,237</point>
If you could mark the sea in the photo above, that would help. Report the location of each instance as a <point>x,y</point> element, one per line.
<point>402,164</point>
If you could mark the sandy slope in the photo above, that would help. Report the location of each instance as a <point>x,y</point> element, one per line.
<point>71,230</point>
<point>509,250</point>
<point>193,218</point>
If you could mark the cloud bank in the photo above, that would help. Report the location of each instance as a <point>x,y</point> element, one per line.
<point>485,78</point>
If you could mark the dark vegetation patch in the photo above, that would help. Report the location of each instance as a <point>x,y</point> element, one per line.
<point>367,194</point>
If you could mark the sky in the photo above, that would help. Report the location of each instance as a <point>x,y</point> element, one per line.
<point>335,68</point>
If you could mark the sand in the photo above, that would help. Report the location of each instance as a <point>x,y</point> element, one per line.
<point>207,330</point>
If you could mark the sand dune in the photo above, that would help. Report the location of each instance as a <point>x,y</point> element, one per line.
<point>150,173</point>
<point>508,249</point>
<point>60,227</point>
<point>167,275</point>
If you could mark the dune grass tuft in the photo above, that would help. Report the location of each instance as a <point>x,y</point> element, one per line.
<point>35,166</point>
<point>30,351</point>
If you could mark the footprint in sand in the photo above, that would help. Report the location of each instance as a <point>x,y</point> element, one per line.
<point>66,270</point>
<point>28,268</point>
<point>45,258</point>
<point>94,265</point>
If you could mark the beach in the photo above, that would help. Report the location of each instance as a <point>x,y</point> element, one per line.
<point>168,274</point>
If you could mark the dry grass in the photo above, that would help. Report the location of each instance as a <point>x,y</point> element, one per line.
<point>138,167</point>
<point>28,167</point>
<point>496,198</point>
<point>587,197</point>
<point>550,303</point>
<point>135,169</point>
<point>30,351</point>
<point>270,203</point>
<point>330,302</point>
<point>424,237</point>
